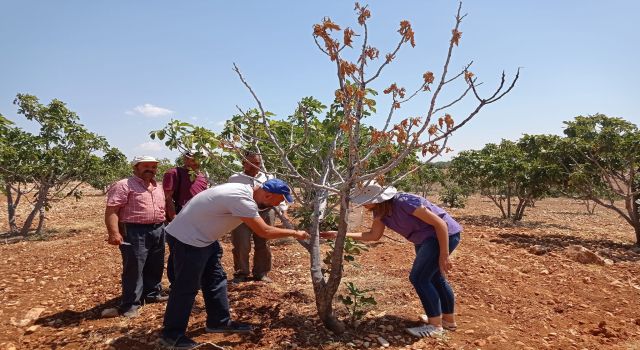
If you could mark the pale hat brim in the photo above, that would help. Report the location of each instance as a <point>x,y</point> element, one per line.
<point>373,194</point>
<point>143,159</point>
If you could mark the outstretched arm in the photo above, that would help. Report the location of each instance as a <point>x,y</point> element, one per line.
<point>265,231</point>
<point>377,228</point>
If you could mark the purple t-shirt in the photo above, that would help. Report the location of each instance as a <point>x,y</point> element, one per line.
<point>415,230</point>
<point>184,188</point>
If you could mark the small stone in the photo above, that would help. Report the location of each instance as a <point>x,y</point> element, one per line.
<point>351,345</point>
<point>617,283</point>
<point>480,342</point>
<point>608,262</point>
<point>469,331</point>
<point>583,255</point>
<point>34,313</point>
<point>383,342</point>
<point>110,312</point>
<point>32,329</point>
<point>538,250</point>
<point>544,272</point>
<point>366,344</point>
<point>494,338</point>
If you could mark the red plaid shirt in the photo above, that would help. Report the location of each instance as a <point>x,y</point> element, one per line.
<point>137,203</point>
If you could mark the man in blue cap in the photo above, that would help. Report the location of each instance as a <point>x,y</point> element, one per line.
<point>193,239</point>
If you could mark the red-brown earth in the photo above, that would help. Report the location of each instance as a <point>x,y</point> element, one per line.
<point>508,297</point>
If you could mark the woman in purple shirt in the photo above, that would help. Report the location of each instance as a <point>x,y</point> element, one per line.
<point>435,235</point>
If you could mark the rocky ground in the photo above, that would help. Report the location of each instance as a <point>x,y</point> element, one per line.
<point>562,279</point>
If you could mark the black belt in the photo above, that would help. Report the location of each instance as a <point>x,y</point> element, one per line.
<point>144,225</point>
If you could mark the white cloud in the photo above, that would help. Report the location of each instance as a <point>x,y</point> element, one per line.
<point>150,111</point>
<point>150,146</point>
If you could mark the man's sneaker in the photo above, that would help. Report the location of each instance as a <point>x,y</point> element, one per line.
<point>131,312</point>
<point>156,299</point>
<point>180,343</point>
<point>427,330</point>
<point>239,279</point>
<point>231,327</point>
<point>263,278</point>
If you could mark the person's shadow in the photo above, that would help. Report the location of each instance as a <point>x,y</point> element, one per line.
<point>70,318</point>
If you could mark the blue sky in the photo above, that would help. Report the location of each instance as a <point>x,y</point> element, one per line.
<point>128,67</point>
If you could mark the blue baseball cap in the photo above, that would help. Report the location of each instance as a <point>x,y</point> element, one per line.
<point>279,187</point>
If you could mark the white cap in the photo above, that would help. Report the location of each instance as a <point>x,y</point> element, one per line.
<point>143,159</point>
<point>372,194</point>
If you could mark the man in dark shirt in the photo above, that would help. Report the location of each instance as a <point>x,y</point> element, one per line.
<point>180,184</point>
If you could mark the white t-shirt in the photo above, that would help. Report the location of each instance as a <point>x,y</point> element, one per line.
<point>258,180</point>
<point>212,213</point>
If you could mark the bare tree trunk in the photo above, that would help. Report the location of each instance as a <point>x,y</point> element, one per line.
<point>324,292</point>
<point>41,217</point>
<point>11,208</point>
<point>498,203</point>
<point>591,207</point>
<point>40,202</point>
<point>508,201</point>
<point>635,216</point>
<point>522,204</point>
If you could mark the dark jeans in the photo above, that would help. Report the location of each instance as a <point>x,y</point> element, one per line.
<point>142,263</point>
<point>241,238</point>
<point>433,289</point>
<point>195,268</point>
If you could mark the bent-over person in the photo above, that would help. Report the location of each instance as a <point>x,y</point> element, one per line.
<point>193,237</point>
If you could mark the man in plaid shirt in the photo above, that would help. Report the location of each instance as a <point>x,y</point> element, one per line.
<point>134,218</point>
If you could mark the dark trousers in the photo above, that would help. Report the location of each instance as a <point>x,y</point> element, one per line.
<point>433,289</point>
<point>195,268</point>
<point>142,263</point>
<point>241,238</point>
<point>170,275</point>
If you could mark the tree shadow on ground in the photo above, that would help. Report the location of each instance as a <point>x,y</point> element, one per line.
<point>566,212</point>
<point>499,222</point>
<point>298,327</point>
<point>47,234</point>
<point>555,242</point>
